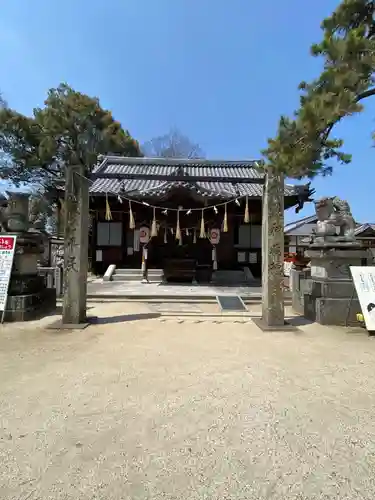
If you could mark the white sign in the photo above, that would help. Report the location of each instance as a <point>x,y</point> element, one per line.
<point>215,236</point>
<point>144,234</point>
<point>253,257</point>
<point>364,282</point>
<point>241,256</point>
<point>287,268</point>
<point>99,256</point>
<point>7,248</point>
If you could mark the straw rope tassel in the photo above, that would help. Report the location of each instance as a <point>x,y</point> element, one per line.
<point>62,205</point>
<point>178,230</point>
<point>154,229</point>
<point>131,217</point>
<point>108,214</point>
<point>247,216</point>
<point>225,222</point>
<point>202,233</point>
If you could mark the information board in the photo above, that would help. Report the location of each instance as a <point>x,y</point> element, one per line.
<point>364,282</point>
<point>7,248</point>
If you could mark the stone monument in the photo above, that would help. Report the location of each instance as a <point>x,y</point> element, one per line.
<point>28,297</point>
<point>330,297</point>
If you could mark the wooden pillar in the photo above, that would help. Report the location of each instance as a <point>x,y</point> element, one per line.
<point>76,214</point>
<point>273,251</point>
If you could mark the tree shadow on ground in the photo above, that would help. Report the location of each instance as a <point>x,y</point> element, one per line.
<point>124,318</point>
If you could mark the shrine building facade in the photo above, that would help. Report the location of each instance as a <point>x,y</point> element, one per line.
<point>173,211</point>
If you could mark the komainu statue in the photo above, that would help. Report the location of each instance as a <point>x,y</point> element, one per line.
<point>335,221</point>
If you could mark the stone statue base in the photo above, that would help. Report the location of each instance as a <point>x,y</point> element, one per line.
<point>330,298</point>
<point>30,307</point>
<point>326,242</point>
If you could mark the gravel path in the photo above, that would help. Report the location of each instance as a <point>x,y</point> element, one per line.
<point>166,410</point>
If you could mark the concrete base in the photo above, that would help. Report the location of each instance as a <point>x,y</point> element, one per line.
<point>329,309</point>
<point>30,307</point>
<point>287,327</point>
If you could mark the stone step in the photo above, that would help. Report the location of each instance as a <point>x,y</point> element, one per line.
<point>137,271</point>
<point>134,278</point>
<point>229,277</point>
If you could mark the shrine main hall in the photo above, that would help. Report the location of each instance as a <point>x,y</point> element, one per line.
<point>195,214</point>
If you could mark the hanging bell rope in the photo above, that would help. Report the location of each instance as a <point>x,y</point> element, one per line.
<point>131,217</point>
<point>178,230</point>
<point>166,235</point>
<point>108,214</point>
<point>247,216</point>
<point>195,236</point>
<point>225,221</point>
<point>202,233</point>
<point>154,228</point>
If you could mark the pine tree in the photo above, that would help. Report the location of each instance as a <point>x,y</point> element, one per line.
<point>302,146</point>
<point>71,129</point>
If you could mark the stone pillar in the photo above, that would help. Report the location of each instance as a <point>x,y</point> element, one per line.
<point>76,236</point>
<point>273,251</point>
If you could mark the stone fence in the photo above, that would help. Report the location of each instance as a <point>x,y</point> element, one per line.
<point>53,278</point>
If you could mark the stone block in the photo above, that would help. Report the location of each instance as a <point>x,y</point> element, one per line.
<point>309,307</point>
<point>31,306</point>
<point>333,288</point>
<point>25,284</point>
<point>301,284</point>
<point>337,311</point>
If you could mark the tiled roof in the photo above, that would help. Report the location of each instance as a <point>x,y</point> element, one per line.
<point>292,226</point>
<point>364,227</point>
<point>168,166</point>
<point>121,174</point>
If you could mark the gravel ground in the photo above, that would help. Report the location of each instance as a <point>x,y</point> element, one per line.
<point>147,409</point>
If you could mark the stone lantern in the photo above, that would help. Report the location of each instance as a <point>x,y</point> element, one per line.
<point>28,296</point>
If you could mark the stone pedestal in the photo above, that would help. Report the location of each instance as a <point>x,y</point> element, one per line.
<point>28,297</point>
<point>330,298</point>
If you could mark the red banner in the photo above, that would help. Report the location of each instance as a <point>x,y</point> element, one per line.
<point>7,242</point>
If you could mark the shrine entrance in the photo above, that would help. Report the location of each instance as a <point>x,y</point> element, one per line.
<point>182,260</point>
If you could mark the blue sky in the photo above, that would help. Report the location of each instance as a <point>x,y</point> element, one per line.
<point>222,72</point>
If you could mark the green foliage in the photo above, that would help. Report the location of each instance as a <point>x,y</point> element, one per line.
<point>3,103</point>
<point>302,146</point>
<point>70,129</point>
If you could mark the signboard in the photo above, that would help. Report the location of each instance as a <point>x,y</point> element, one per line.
<point>364,282</point>
<point>7,248</point>
<point>144,234</point>
<point>215,236</point>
